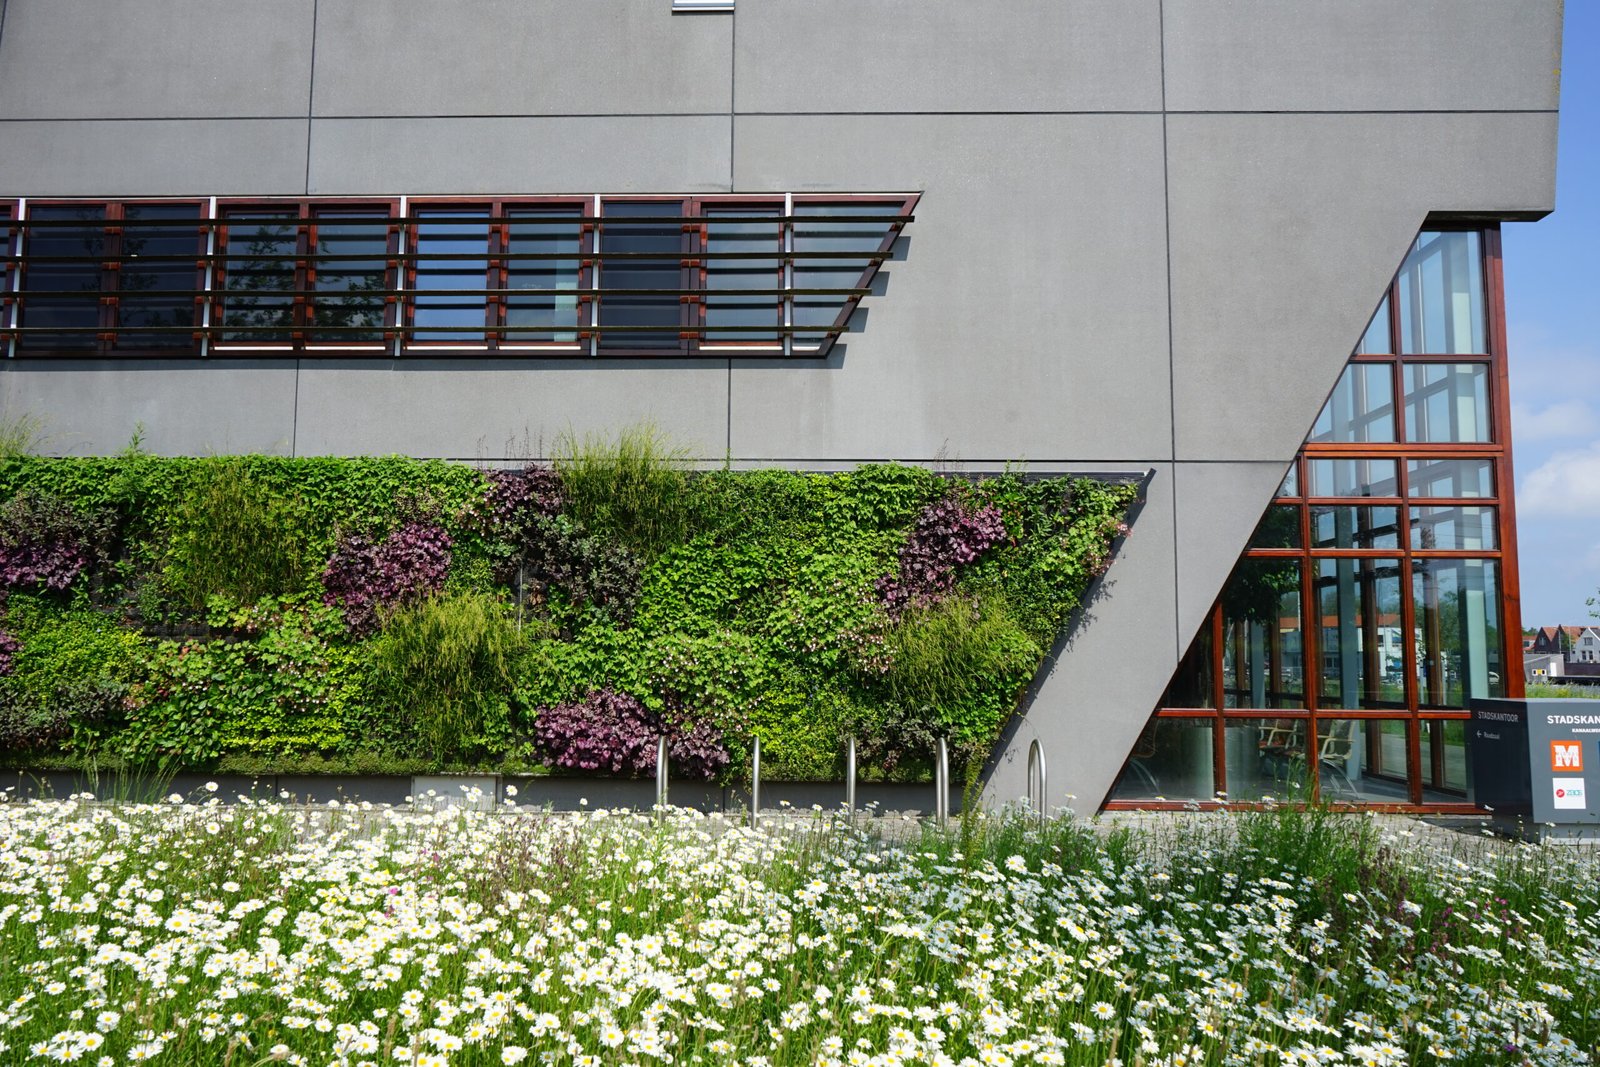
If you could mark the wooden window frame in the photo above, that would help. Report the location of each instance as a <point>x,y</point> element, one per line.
<point>1417,716</point>
<point>398,335</point>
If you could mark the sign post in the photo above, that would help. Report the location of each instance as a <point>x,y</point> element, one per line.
<point>1536,766</point>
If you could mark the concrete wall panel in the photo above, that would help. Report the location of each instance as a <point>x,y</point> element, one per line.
<point>1095,692</point>
<point>155,59</point>
<point>91,407</point>
<point>1362,55</point>
<point>519,57</point>
<point>503,410</point>
<point>174,157</point>
<point>1026,317</point>
<point>979,55</point>
<point>1218,507</point>
<point>1285,230</point>
<point>519,155</point>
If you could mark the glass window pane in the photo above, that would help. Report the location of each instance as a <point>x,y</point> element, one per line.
<point>1457,608</point>
<point>653,252</point>
<point>1263,651</point>
<point>1361,408</point>
<point>66,261</point>
<point>1448,527</point>
<point>1279,528</point>
<point>1363,647</point>
<point>1173,760</point>
<point>1376,340</point>
<point>1354,526</point>
<point>548,312</point>
<point>259,276</point>
<point>854,243</point>
<point>143,270</point>
<point>1291,483</point>
<point>1266,758</point>
<point>456,316</point>
<point>1441,296</point>
<point>1447,402</point>
<point>1444,761</point>
<point>349,304</point>
<point>1450,477</point>
<point>762,313</point>
<point>1363,761</point>
<point>1191,686</point>
<point>1352,477</point>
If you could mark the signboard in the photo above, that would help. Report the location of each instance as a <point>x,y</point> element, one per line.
<point>1538,762</point>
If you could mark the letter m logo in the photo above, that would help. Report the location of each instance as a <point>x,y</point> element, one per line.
<point>1566,755</point>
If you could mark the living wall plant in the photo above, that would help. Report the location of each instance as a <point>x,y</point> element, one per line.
<point>261,611</point>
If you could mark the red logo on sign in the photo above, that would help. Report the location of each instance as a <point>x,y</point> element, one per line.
<point>1566,755</point>
<point>1561,792</point>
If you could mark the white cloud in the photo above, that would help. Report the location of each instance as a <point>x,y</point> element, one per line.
<point>1564,418</point>
<point>1568,483</point>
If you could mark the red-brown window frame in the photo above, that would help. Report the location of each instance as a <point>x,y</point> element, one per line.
<point>697,338</point>
<point>1416,717</point>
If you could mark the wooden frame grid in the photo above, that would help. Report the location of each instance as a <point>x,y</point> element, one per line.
<point>1423,715</point>
<point>299,316</point>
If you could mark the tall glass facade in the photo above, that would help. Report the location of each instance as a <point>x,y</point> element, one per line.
<point>1376,597</point>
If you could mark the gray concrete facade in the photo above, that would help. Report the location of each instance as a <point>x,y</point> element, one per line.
<point>1150,233</point>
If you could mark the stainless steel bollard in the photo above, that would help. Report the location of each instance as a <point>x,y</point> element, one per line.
<point>1036,762</point>
<point>941,782</point>
<point>661,771</point>
<point>850,776</point>
<point>755,783</point>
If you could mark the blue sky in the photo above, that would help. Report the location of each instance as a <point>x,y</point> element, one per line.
<point>1552,271</point>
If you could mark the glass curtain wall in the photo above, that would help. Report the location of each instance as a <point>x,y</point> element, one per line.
<point>1372,602</point>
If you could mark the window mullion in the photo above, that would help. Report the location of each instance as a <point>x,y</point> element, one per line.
<point>787,266</point>
<point>18,246</point>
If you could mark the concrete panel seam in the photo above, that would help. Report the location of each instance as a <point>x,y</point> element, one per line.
<point>1172,372</point>
<point>311,110</point>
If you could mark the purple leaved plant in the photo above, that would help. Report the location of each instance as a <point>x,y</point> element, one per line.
<point>613,733</point>
<point>368,578</point>
<point>947,534</point>
<point>45,542</point>
<point>9,647</point>
<point>516,499</point>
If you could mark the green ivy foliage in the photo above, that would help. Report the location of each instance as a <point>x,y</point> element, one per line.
<point>753,601</point>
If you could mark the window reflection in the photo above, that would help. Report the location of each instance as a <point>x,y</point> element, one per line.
<point>1266,758</point>
<point>1450,477</point>
<point>451,270</point>
<point>1354,526</point>
<point>1451,527</point>
<point>258,304</point>
<point>1361,408</point>
<point>1279,528</point>
<point>1457,605</point>
<point>1363,761</point>
<point>1447,402</point>
<point>1444,760</point>
<point>349,303</point>
<point>73,302</point>
<point>1263,652</point>
<point>1376,340</point>
<point>152,262</point>
<point>1352,477</point>
<point>1363,640</point>
<point>544,305</point>
<point>1174,759</point>
<point>740,230</point>
<point>1441,296</point>
<point>643,270</point>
